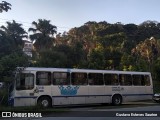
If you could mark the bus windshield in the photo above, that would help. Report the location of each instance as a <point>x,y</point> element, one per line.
<point>24,81</point>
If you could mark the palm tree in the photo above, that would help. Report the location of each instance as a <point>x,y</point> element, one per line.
<point>14,33</point>
<point>4,6</point>
<point>43,34</point>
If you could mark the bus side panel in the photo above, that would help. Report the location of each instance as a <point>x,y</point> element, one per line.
<point>24,98</point>
<point>149,91</point>
<point>61,100</point>
<point>20,101</point>
<point>134,93</point>
<point>82,93</point>
<point>108,93</point>
<point>96,94</point>
<point>127,93</point>
<point>57,98</point>
<point>60,95</point>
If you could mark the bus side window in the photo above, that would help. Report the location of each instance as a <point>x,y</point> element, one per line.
<point>115,79</point>
<point>147,80</point>
<point>29,81</point>
<point>95,79</point>
<point>125,79</point>
<point>108,79</point>
<point>79,78</point>
<point>121,79</point>
<point>61,78</point>
<point>43,78</point>
<point>138,80</point>
<point>111,79</point>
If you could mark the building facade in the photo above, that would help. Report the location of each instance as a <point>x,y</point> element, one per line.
<point>28,47</point>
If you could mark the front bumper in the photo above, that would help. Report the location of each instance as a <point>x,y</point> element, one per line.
<point>11,102</point>
<point>156,97</point>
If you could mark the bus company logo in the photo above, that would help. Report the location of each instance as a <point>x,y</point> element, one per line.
<point>6,114</point>
<point>20,115</point>
<point>115,88</point>
<point>68,90</point>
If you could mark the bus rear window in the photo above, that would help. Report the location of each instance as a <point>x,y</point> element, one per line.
<point>25,81</point>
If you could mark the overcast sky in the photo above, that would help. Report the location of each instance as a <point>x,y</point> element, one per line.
<point>66,14</point>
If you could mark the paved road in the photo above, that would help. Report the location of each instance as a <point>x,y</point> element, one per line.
<point>120,114</point>
<point>97,112</point>
<point>100,112</point>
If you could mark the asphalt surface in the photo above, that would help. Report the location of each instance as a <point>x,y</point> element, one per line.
<point>134,112</point>
<point>103,112</point>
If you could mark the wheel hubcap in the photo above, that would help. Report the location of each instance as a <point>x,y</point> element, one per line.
<point>45,103</point>
<point>117,101</point>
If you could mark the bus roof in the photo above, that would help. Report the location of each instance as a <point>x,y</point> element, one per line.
<point>80,70</point>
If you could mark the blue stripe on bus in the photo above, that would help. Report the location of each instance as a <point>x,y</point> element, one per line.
<point>79,95</point>
<point>26,97</point>
<point>135,94</point>
<point>85,95</point>
<point>102,95</point>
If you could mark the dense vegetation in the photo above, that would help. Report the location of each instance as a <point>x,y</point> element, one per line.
<point>94,45</point>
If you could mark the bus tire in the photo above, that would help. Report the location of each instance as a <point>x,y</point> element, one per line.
<point>44,102</point>
<point>117,100</point>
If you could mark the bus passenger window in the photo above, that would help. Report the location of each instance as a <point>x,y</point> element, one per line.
<point>79,78</point>
<point>61,78</point>
<point>95,79</point>
<point>111,79</point>
<point>43,78</point>
<point>125,79</point>
<point>147,80</point>
<point>138,80</point>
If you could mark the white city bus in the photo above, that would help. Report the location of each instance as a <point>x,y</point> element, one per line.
<point>58,86</point>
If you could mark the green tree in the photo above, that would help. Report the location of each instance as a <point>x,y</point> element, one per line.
<point>43,34</point>
<point>113,45</point>
<point>131,35</point>
<point>127,62</point>
<point>5,6</point>
<point>50,58</point>
<point>146,30</point>
<point>96,58</point>
<point>147,51</point>
<point>14,34</point>
<point>8,63</point>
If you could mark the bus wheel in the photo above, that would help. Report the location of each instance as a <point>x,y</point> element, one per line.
<point>44,102</point>
<point>116,100</point>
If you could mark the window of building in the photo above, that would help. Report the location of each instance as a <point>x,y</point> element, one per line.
<point>111,79</point>
<point>95,79</point>
<point>79,78</point>
<point>43,78</point>
<point>61,78</point>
